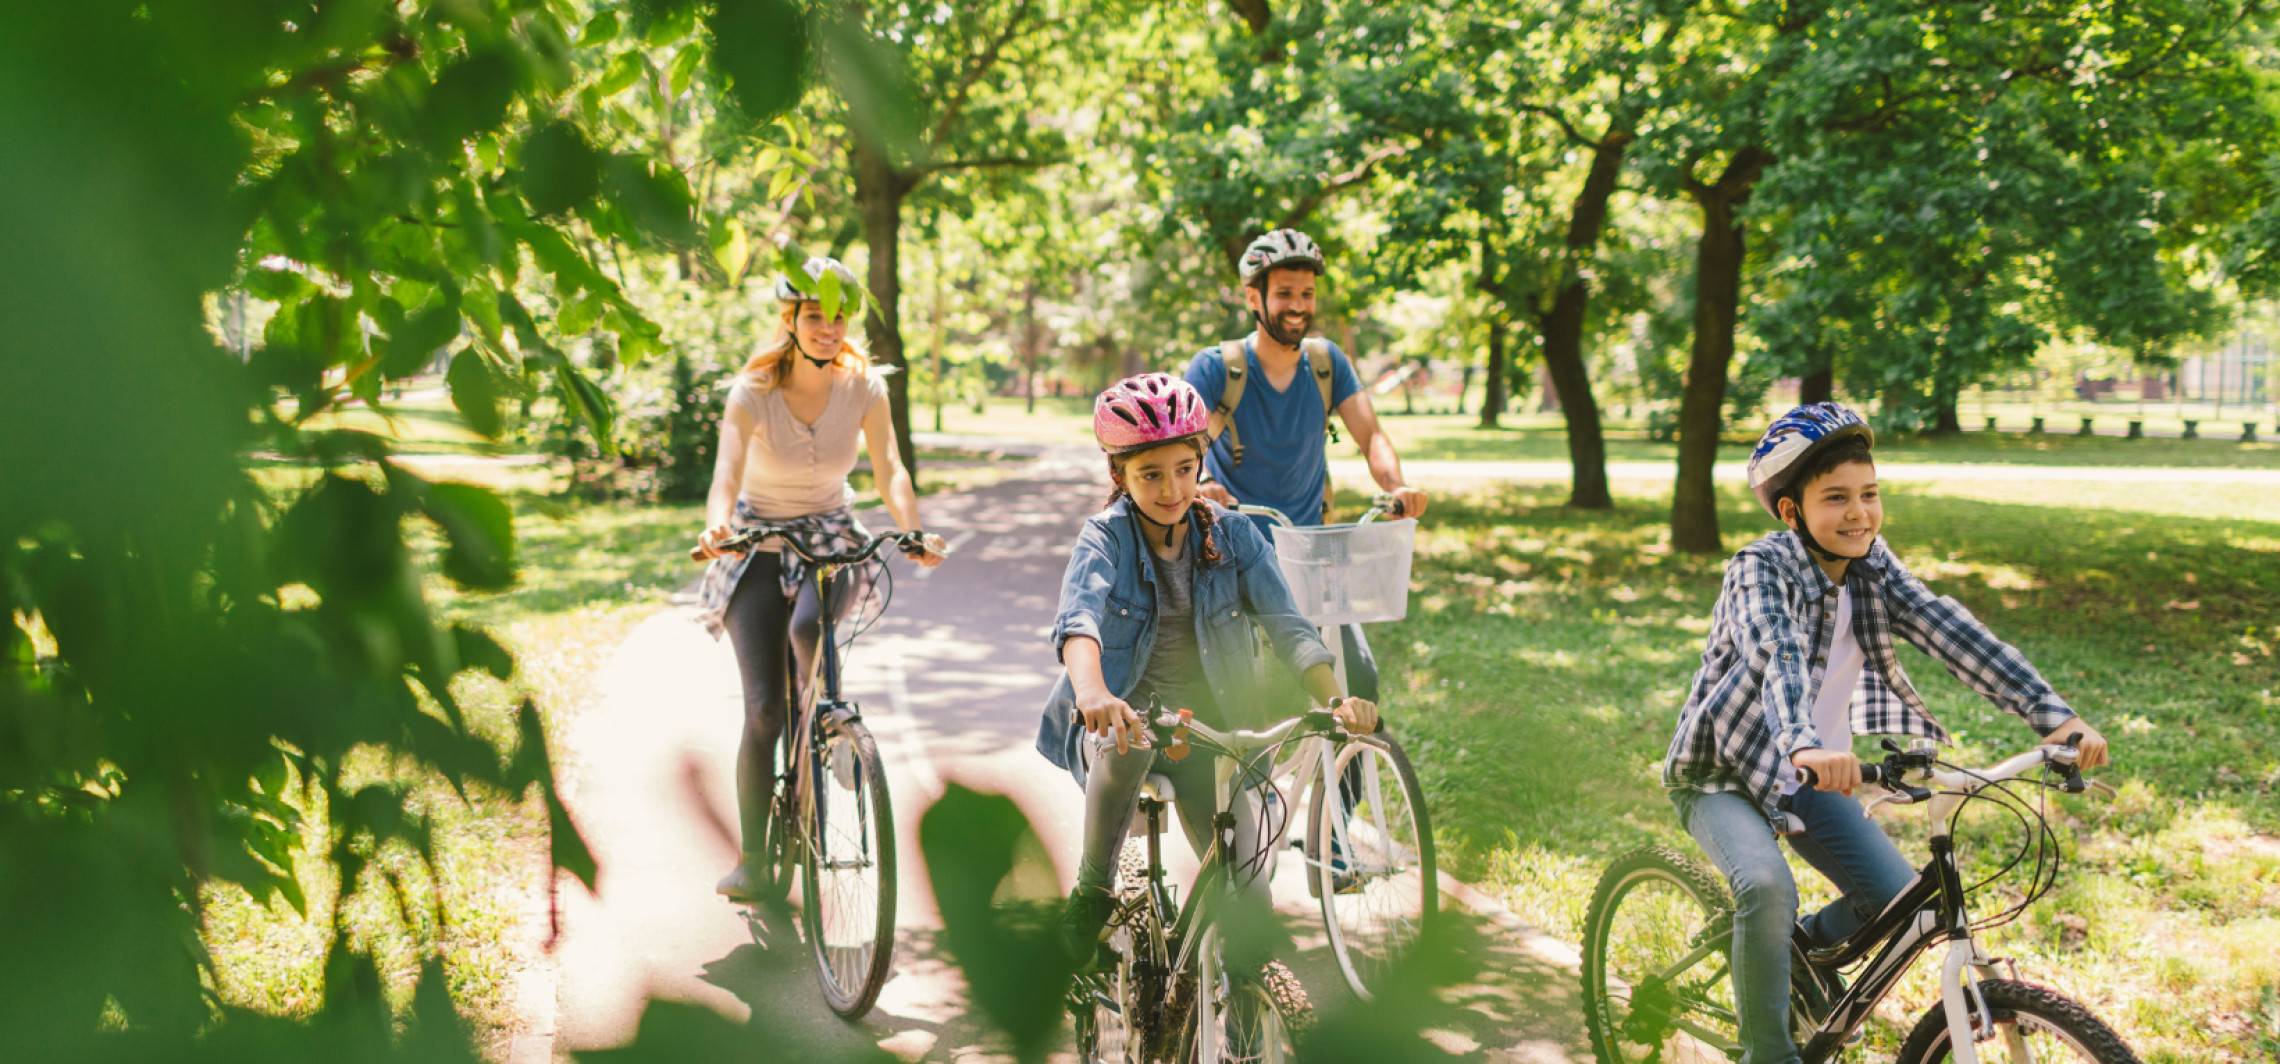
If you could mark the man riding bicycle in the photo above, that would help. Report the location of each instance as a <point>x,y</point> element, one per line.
<point>1271,395</point>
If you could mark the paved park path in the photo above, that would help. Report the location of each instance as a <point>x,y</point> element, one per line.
<point>951,683</point>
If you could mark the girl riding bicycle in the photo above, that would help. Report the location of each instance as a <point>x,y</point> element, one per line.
<point>1157,607</point>
<point>1799,660</point>
<point>787,442</point>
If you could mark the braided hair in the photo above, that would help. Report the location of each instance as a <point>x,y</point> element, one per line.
<point>1207,551</point>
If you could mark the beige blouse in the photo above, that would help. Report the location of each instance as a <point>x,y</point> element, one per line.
<point>785,469</point>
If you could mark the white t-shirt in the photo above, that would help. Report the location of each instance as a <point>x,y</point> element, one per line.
<point>1832,701</point>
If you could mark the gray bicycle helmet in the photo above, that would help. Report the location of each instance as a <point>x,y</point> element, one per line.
<point>850,289</point>
<point>1283,248</point>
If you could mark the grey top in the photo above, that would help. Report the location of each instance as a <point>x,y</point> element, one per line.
<point>1174,670</point>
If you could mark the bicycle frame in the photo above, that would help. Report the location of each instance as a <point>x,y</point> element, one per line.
<point>1928,912</point>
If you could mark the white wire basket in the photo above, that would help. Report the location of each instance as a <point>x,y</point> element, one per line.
<point>1348,574</point>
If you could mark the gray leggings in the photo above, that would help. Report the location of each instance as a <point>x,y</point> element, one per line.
<point>1112,794</point>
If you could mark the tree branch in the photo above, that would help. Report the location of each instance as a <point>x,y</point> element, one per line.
<point>1338,183</point>
<point>1560,119</point>
<point>975,68</point>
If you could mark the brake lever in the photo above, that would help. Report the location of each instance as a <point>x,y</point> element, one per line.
<point>2102,787</point>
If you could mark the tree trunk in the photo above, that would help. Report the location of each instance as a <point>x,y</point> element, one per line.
<point>1492,398</point>
<point>1819,386</point>
<point>1562,327</point>
<point>1946,396</point>
<point>1029,345</point>
<point>879,192</point>
<point>1717,310</point>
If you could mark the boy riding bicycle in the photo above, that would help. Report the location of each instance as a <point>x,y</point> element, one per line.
<point>1800,660</point>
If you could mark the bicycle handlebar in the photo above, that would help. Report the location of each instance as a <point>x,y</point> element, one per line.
<point>1905,773</point>
<point>910,543</point>
<point>1382,502</point>
<point>1174,732</point>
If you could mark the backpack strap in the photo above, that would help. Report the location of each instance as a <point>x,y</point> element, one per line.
<point>1237,366</point>
<point>1318,356</point>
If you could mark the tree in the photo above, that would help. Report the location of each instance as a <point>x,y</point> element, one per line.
<point>971,72</point>
<point>198,652</point>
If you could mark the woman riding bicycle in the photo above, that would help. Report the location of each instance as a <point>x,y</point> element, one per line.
<point>787,442</point>
<point>1157,606</point>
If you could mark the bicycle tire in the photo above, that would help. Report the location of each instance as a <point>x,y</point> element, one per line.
<point>1111,1010</point>
<point>1373,922</point>
<point>1620,1034</point>
<point>2022,1012</point>
<point>1263,1021</point>
<point>850,913</point>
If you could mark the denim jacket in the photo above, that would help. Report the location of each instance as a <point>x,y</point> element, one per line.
<point>1109,595</point>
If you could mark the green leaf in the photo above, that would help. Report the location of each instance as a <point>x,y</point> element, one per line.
<point>277,286</point>
<point>475,391</point>
<point>827,293</point>
<point>477,650</point>
<point>655,197</point>
<point>685,67</point>
<point>1015,972</point>
<point>622,72</point>
<point>731,248</point>
<point>480,531</point>
<point>870,77</point>
<point>593,404</point>
<point>560,170</point>
<point>761,48</point>
<point>413,344</point>
<point>578,314</point>
<point>600,29</point>
<point>471,96</point>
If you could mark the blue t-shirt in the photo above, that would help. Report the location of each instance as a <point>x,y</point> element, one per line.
<point>1285,454</point>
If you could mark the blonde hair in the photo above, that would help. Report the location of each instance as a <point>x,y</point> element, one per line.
<point>763,368</point>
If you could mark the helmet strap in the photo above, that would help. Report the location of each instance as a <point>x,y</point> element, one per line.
<point>1805,535</point>
<point>1149,522</point>
<point>1267,325</point>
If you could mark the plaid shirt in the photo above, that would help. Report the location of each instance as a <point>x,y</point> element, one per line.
<point>1751,706</point>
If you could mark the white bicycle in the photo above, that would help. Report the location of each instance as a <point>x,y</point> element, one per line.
<point>1368,843</point>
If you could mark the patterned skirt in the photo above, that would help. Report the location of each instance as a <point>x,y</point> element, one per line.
<point>830,530</point>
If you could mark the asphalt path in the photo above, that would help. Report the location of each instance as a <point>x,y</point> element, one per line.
<point>951,683</point>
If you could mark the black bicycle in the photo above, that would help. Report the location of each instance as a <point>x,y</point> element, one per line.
<point>830,822</point>
<point>1657,937</point>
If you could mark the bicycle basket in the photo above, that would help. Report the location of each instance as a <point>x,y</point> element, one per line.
<point>1348,574</point>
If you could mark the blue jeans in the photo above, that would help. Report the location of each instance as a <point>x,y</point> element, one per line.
<point>1840,842</point>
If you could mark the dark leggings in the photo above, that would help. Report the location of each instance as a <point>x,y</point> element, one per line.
<point>761,621</point>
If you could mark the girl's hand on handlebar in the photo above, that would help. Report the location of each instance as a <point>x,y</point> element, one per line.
<point>1107,714</point>
<point>713,535</point>
<point>2092,744</point>
<point>1833,770</point>
<point>1358,716</point>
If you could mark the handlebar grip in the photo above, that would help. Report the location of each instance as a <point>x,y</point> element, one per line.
<point>1869,773</point>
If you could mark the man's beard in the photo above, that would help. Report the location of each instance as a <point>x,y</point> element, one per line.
<point>1274,327</point>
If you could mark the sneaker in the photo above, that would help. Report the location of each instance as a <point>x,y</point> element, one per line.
<point>1082,921</point>
<point>743,883</point>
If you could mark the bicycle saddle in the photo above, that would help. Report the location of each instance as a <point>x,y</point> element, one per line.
<point>1158,788</point>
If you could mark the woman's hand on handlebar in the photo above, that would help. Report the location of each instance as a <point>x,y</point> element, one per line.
<point>1359,716</point>
<point>715,534</point>
<point>1833,770</point>
<point>1105,714</point>
<point>931,551</point>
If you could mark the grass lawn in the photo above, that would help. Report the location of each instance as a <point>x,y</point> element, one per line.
<point>1538,437</point>
<point>1547,653</point>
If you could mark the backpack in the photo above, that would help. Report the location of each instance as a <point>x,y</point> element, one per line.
<point>1232,358</point>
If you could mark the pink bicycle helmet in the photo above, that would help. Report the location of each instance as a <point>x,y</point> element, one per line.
<point>1147,410</point>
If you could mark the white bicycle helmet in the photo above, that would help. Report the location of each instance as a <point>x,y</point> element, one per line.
<point>851,290</point>
<point>1281,248</point>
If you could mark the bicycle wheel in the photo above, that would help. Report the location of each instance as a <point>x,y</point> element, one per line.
<point>1111,1009</point>
<point>1369,847</point>
<point>849,886</point>
<point>1261,1016</point>
<point>1656,977</point>
<point>2030,1024</point>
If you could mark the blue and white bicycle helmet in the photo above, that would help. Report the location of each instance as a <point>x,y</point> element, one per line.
<point>1790,439</point>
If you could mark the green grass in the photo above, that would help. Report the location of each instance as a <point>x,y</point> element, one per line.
<point>1547,653</point>
<point>1452,438</point>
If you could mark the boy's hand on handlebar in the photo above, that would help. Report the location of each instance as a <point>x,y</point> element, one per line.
<point>2092,745</point>
<point>713,535</point>
<point>1358,716</point>
<point>1110,715</point>
<point>1833,770</point>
